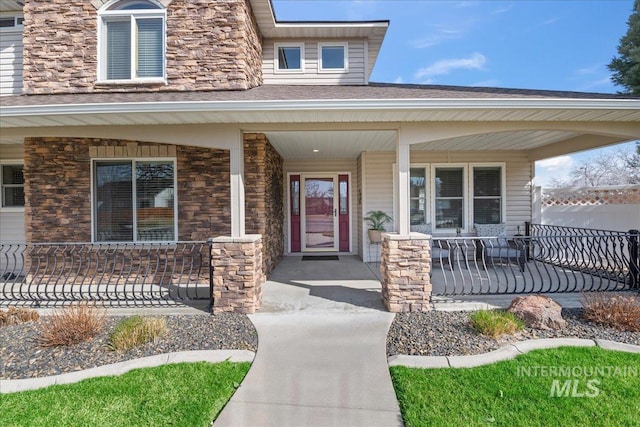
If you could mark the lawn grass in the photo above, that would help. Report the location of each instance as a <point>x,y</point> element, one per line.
<point>503,394</point>
<point>184,394</point>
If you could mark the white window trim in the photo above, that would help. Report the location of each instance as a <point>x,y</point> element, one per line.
<point>427,186</point>
<point>133,161</point>
<point>321,68</point>
<point>467,192</point>
<point>10,162</point>
<point>465,196</point>
<point>16,26</point>
<point>105,15</point>
<point>276,58</point>
<point>503,189</point>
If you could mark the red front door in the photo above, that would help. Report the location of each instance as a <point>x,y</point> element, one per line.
<point>319,212</point>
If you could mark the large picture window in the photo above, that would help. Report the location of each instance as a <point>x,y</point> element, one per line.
<point>132,38</point>
<point>134,200</point>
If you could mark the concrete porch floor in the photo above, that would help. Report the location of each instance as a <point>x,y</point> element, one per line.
<point>347,286</point>
<point>352,286</point>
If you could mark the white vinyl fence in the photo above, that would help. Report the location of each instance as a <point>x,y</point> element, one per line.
<point>615,208</point>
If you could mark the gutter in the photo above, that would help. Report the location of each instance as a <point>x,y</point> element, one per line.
<point>318,105</point>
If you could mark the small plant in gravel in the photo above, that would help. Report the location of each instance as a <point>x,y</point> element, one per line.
<point>15,316</point>
<point>136,330</point>
<point>494,323</point>
<point>619,311</point>
<point>72,325</point>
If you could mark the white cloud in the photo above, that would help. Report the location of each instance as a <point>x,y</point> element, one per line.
<point>398,80</point>
<point>487,83</point>
<point>502,10</point>
<point>605,81</point>
<point>445,66</point>
<point>464,4</point>
<point>556,163</point>
<point>550,21</point>
<point>440,35</point>
<point>589,70</point>
<point>554,169</point>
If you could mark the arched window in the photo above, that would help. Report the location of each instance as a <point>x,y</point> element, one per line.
<point>131,41</point>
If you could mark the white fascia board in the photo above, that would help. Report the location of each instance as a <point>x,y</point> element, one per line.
<point>320,105</point>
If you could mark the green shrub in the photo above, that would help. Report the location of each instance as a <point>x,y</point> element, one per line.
<point>136,330</point>
<point>494,323</point>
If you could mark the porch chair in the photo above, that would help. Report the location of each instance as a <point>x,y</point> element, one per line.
<point>499,247</point>
<point>440,250</point>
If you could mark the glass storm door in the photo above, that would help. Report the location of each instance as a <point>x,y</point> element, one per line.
<point>320,214</point>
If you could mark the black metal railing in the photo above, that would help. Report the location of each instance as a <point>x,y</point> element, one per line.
<point>112,273</point>
<point>542,263</point>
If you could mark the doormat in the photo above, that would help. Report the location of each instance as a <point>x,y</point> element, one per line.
<point>320,258</point>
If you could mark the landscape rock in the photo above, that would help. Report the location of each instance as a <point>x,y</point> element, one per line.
<point>538,312</point>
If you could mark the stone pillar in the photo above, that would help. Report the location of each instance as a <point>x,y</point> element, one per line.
<point>237,274</point>
<point>405,267</point>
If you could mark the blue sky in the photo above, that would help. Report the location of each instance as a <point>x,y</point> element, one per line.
<point>558,45</point>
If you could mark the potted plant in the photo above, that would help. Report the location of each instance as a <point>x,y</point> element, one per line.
<point>376,221</point>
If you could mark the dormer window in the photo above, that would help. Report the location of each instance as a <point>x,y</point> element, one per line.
<point>132,42</point>
<point>289,57</point>
<point>333,57</point>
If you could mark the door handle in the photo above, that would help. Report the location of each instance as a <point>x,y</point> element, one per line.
<point>335,212</point>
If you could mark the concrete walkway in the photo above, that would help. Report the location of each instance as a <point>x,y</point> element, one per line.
<point>321,357</point>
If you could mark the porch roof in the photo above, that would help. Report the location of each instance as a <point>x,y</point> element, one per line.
<point>495,118</point>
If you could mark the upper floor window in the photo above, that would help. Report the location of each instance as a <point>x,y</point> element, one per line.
<point>12,183</point>
<point>289,57</point>
<point>132,41</point>
<point>333,57</point>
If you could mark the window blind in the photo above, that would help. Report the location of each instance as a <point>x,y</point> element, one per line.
<point>449,198</point>
<point>487,195</point>
<point>118,50</point>
<point>149,45</point>
<point>113,201</point>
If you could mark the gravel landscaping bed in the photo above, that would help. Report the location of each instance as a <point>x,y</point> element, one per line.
<point>22,357</point>
<point>441,333</point>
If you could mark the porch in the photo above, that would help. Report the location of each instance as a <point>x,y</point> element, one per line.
<point>551,260</point>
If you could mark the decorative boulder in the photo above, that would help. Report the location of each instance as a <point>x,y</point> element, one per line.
<point>538,312</point>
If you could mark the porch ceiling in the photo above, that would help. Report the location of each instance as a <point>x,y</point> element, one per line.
<point>349,144</point>
<point>330,144</point>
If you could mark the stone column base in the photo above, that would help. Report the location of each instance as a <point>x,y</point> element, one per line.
<point>237,274</point>
<point>405,268</point>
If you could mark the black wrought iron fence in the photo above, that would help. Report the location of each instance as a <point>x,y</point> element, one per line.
<point>112,273</point>
<point>543,263</point>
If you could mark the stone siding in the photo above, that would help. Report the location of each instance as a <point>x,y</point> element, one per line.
<point>210,45</point>
<point>58,187</point>
<point>264,198</point>
<point>238,274</point>
<point>204,193</point>
<point>405,267</point>
<point>57,183</point>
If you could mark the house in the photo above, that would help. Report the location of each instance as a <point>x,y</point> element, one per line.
<point>176,120</point>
